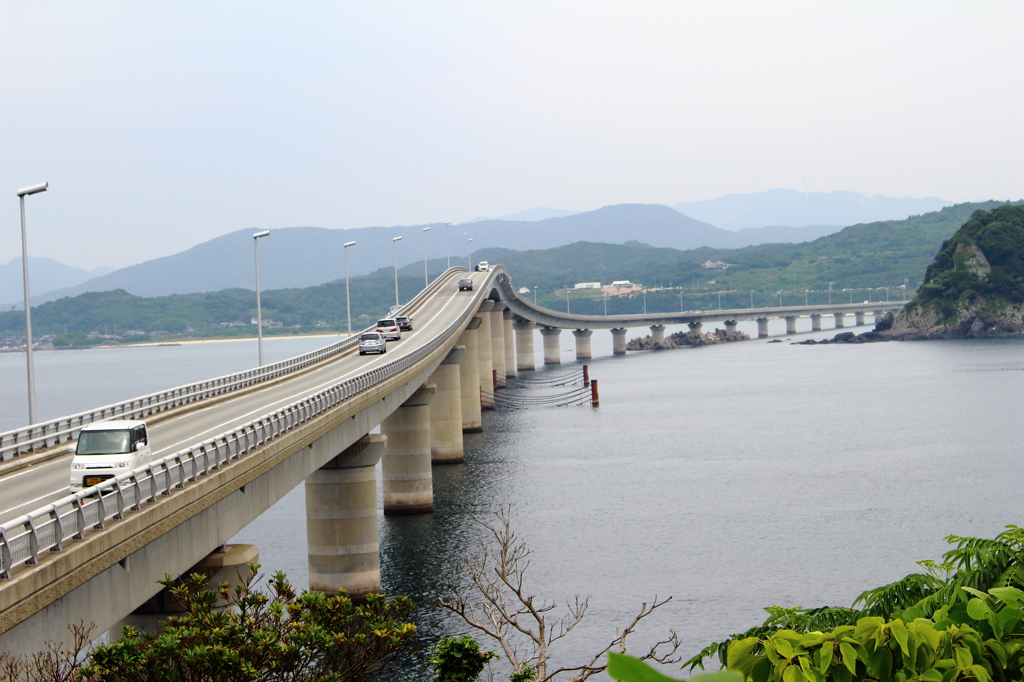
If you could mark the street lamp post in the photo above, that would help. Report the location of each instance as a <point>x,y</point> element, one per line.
<point>259,312</point>
<point>645,301</point>
<point>680,300</point>
<point>806,294</point>
<point>830,292</point>
<point>425,230</point>
<point>22,193</point>
<point>394,251</point>
<point>780,297</point>
<point>447,245</point>
<point>469,252</point>
<point>567,301</point>
<point>751,299</point>
<point>348,301</point>
<point>535,295</point>
<point>719,300</point>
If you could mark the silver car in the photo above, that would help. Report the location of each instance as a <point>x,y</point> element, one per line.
<point>372,342</point>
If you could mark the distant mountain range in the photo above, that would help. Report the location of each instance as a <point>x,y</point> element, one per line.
<point>46,275</point>
<point>797,209</point>
<point>307,256</point>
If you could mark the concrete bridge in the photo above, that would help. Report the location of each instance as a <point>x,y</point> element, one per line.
<point>227,449</point>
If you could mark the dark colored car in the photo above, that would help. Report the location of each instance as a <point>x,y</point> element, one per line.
<point>465,284</point>
<point>404,323</point>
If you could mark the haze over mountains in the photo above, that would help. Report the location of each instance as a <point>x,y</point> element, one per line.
<point>306,256</point>
<point>47,275</point>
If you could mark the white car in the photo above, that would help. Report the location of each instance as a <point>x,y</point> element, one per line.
<point>108,448</point>
<point>389,328</point>
<point>372,342</point>
<point>482,266</point>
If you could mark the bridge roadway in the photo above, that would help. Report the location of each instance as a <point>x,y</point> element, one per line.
<point>224,459</point>
<point>45,483</point>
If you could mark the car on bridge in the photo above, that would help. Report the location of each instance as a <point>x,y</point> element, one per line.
<point>465,284</point>
<point>108,448</point>
<point>372,342</point>
<point>389,328</point>
<point>404,323</point>
<point>482,266</point>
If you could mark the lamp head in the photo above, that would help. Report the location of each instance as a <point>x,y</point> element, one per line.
<point>426,229</point>
<point>264,233</point>
<point>34,189</point>
<point>396,239</point>
<point>350,243</point>
<point>448,222</point>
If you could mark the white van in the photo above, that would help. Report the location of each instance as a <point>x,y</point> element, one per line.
<point>483,266</point>
<point>106,449</point>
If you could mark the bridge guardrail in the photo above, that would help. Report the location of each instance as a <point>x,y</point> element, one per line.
<point>48,434</point>
<point>22,540</point>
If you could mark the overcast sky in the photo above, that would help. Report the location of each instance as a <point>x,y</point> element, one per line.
<point>161,125</point>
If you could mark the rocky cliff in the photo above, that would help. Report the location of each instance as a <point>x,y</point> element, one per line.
<point>975,286</point>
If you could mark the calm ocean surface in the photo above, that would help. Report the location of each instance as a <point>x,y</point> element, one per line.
<point>730,477</point>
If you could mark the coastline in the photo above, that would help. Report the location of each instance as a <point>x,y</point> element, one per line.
<point>176,342</point>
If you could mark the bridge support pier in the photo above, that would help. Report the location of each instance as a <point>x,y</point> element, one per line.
<point>498,341</point>
<point>484,356</point>
<point>762,327</point>
<point>341,521</point>
<point>524,346</point>
<point>860,318</point>
<point>469,379</point>
<point>695,328</point>
<point>446,410</point>
<point>877,315</point>
<point>658,333</point>
<point>618,341</point>
<point>408,483</point>
<point>583,343</point>
<point>228,563</point>
<point>815,322</point>
<point>552,351</point>
<point>840,319</point>
<point>730,329</point>
<point>791,324</point>
<point>510,347</point>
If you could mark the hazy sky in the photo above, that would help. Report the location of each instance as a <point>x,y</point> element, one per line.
<point>161,125</point>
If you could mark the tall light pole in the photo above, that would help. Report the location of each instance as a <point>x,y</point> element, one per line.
<point>447,245</point>
<point>534,295</point>
<point>259,312</point>
<point>806,294</point>
<point>680,300</point>
<point>348,301</point>
<point>830,292</point>
<point>394,250</point>
<point>425,230</point>
<point>645,301</point>
<point>22,193</point>
<point>469,252</point>
<point>751,299</point>
<point>567,301</point>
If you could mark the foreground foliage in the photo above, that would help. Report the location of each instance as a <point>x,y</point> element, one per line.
<point>278,636</point>
<point>961,620</point>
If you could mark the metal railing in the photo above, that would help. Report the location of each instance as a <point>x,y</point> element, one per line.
<point>22,540</point>
<point>46,435</point>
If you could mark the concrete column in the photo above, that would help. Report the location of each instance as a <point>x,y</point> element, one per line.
<point>877,315</point>
<point>815,322</point>
<point>583,343</point>
<point>510,346</point>
<point>658,333</point>
<point>484,362</point>
<point>469,379</point>
<point>730,329</point>
<point>446,410</point>
<point>762,327</point>
<point>840,319</point>
<point>524,346</point>
<point>408,483</point>
<point>860,318</point>
<point>341,521</point>
<point>498,341</point>
<point>695,328</point>
<point>618,341</point>
<point>791,324</point>
<point>227,563</point>
<point>552,352</point>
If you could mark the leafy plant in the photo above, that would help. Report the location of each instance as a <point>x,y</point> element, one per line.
<point>458,659</point>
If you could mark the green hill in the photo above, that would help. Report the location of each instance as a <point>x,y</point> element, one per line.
<point>975,286</point>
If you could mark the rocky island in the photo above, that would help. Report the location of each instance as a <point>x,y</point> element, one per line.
<point>975,286</point>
